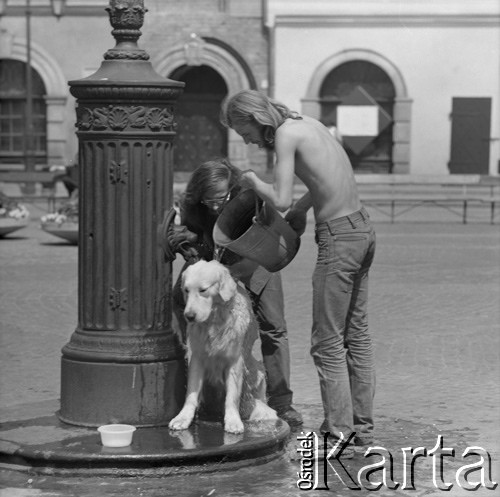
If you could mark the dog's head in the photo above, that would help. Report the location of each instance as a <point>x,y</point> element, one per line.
<point>204,285</point>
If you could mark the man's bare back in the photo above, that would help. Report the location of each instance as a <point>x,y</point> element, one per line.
<point>322,164</point>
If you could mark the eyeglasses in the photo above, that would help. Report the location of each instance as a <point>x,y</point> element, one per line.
<point>216,202</point>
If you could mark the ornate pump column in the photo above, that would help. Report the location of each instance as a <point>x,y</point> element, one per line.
<point>123,363</point>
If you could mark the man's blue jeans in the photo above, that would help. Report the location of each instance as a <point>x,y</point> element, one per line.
<point>341,345</point>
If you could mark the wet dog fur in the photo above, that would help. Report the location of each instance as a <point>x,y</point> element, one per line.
<point>221,331</point>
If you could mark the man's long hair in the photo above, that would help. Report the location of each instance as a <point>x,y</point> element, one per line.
<point>249,106</point>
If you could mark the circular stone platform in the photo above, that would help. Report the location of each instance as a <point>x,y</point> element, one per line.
<point>45,445</point>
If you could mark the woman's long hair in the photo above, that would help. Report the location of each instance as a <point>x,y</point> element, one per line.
<point>194,214</point>
<point>249,106</point>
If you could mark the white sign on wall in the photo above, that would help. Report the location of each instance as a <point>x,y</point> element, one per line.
<point>358,120</point>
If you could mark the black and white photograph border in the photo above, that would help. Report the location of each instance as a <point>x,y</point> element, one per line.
<point>434,305</point>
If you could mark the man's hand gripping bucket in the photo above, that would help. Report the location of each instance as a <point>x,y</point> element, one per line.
<point>255,230</point>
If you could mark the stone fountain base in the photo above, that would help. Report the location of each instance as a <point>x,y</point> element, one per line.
<point>44,445</point>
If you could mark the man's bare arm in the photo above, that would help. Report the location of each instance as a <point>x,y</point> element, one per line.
<point>297,215</point>
<point>280,192</point>
<point>263,189</point>
<point>304,203</point>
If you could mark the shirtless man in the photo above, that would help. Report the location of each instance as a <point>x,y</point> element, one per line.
<point>341,345</point>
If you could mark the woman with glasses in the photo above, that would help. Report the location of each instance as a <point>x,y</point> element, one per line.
<point>210,187</point>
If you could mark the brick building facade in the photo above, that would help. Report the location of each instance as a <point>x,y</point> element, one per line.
<point>432,68</point>
<point>217,47</point>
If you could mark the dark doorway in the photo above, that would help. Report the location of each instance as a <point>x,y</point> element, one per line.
<point>470,136</point>
<point>200,135</point>
<point>13,114</point>
<point>376,157</point>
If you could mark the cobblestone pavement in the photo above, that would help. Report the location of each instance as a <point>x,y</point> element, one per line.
<point>435,318</point>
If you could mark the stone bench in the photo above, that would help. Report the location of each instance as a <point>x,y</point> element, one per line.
<point>404,192</point>
<point>43,186</point>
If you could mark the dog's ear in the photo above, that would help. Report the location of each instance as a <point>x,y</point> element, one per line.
<point>183,278</point>
<point>227,285</point>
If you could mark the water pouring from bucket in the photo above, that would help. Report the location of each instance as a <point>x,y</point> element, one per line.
<point>257,231</point>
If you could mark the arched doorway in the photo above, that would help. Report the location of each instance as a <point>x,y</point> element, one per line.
<point>13,115</point>
<point>339,83</point>
<point>200,135</point>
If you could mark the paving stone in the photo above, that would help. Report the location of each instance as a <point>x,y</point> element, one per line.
<point>434,311</point>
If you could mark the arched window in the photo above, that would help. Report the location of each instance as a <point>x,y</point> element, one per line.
<point>339,83</point>
<point>13,115</point>
<point>200,135</point>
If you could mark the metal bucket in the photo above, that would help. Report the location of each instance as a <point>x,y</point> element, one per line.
<point>255,230</point>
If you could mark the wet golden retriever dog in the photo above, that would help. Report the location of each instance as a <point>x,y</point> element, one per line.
<point>221,331</point>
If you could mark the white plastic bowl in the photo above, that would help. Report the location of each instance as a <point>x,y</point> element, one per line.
<point>116,435</point>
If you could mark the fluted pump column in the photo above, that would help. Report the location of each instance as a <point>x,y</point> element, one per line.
<point>123,363</point>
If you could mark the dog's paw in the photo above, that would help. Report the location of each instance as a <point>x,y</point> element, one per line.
<point>232,438</point>
<point>180,422</point>
<point>233,424</point>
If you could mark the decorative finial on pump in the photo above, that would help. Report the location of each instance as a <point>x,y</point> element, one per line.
<point>126,18</point>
